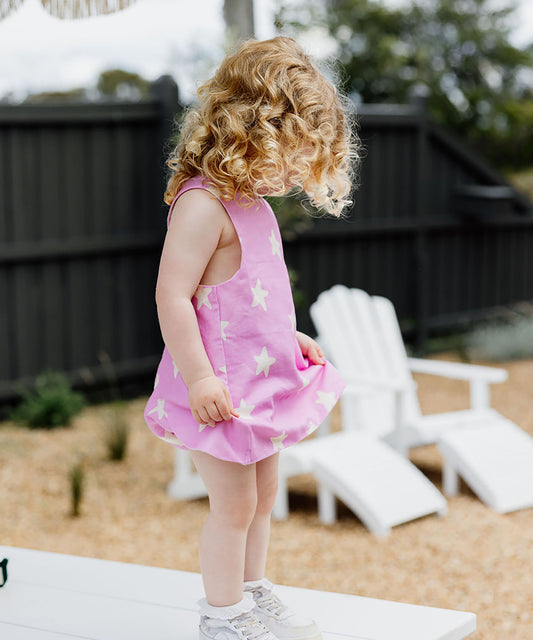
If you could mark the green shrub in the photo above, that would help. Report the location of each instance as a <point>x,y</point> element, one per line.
<point>500,341</point>
<point>77,477</point>
<point>51,403</point>
<point>117,432</point>
<point>299,297</point>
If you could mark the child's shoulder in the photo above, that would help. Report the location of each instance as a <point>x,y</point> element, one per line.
<point>196,200</point>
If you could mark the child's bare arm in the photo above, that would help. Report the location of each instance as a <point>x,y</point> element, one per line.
<point>193,234</point>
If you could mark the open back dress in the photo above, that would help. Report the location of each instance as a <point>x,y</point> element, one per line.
<point>248,328</point>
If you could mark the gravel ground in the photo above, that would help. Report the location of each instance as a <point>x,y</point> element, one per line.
<point>473,559</point>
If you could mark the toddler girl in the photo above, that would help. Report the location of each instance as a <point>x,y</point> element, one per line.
<point>237,382</point>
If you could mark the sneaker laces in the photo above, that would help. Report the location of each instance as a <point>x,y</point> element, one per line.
<point>253,628</point>
<point>269,601</point>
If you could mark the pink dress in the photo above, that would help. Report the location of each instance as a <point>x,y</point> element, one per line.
<point>248,327</point>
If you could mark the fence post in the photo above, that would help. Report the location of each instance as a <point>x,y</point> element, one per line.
<point>165,91</point>
<point>418,100</point>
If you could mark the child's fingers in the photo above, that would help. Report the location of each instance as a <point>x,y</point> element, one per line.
<point>213,411</point>
<point>204,416</point>
<point>223,410</point>
<point>230,404</point>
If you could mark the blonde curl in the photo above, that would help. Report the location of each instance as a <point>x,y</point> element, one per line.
<point>266,122</point>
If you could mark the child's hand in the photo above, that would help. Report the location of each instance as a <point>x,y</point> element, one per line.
<point>210,401</point>
<point>310,348</point>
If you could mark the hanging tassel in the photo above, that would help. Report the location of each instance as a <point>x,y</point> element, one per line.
<point>7,6</point>
<point>70,9</point>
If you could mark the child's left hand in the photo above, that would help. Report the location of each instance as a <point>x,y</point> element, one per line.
<point>310,348</point>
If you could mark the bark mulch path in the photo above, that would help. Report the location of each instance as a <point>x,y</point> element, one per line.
<point>473,559</point>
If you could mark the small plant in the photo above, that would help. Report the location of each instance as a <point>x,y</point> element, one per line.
<point>117,432</point>
<point>111,374</point>
<point>51,403</point>
<point>77,477</point>
<point>500,341</point>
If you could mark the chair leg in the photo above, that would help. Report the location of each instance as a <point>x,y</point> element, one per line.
<point>450,480</point>
<point>281,505</point>
<point>327,508</point>
<point>186,484</point>
<point>325,426</point>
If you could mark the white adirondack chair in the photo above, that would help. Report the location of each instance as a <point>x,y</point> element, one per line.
<point>361,336</point>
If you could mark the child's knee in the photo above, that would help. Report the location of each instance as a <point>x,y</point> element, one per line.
<point>236,510</point>
<point>266,494</point>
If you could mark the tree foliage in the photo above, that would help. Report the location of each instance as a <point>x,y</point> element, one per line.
<point>477,81</point>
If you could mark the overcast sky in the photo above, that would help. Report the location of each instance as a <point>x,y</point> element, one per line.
<point>152,37</point>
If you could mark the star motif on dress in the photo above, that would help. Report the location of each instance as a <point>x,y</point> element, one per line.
<point>201,427</point>
<point>176,370</point>
<point>305,382</point>
<point>259,295</point>
<point>160,409</point>
<point>172,438</point>
<point>223,325</point>
<point>156,380</point>
<point>223,369</point>
<point>327,398</point>
<point>244,410</point>
<point>277,441</point>
<point>264,361</point>
<point>292,318</point>
<point>312,426</point>
<point>202,295</point>
<point>275,244</point>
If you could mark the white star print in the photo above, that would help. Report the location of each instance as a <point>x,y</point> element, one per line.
<point>312,426</point>
<point>244,410</point>
<point>156,380</point>
<point>201,427</point>
<point>223,369</point>
<point>176,370</point>
<point>275,244</point>
<point>202,295</point>
<point>259,295</point>
<point>223,325</point>
<point>277,441</point>
<point>172,438</point>
<point>264,361</point>
<point>160,409</point>
<point>327,399</point>
<point>292,318</point>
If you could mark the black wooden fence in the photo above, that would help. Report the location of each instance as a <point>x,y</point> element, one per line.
<point>434,228</point>
<point>81,230</point>
<point>82,224</point>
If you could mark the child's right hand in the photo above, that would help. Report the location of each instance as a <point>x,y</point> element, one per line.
<point>210,400</point>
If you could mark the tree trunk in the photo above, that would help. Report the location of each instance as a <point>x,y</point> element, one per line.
<point>239,17</point>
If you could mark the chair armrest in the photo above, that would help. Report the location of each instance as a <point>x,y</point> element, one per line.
<point>457,370</point>
<point>367,384</point>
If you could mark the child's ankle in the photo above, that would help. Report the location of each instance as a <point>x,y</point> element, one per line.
<point>227,612</point>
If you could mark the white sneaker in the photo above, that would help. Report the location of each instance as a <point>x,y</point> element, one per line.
<point>284,623</point>
<point>234,622</point>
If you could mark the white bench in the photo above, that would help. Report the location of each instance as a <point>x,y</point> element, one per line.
<point>53,596</point>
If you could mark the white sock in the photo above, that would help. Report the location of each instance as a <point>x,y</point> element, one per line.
<point>263,582</point>
<point>228,612</point>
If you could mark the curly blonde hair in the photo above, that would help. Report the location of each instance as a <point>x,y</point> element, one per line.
<point>266,122</point>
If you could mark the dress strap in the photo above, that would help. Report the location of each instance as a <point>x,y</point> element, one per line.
<point>192,183</point>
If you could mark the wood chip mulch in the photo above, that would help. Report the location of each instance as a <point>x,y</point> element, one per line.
<point>473,559</point>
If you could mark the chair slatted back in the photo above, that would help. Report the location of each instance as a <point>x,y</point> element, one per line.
<point>361,336</point>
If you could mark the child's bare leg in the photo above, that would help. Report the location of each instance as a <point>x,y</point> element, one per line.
<point>232,502</point>
<point>259,531</point>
